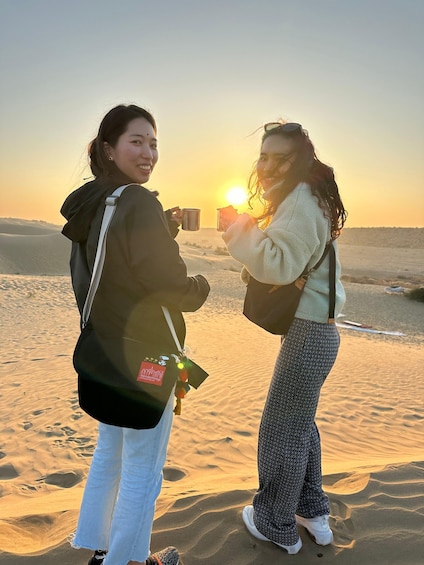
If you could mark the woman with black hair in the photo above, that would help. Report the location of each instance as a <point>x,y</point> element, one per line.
<point>142,272</point>
<point>302,212</point>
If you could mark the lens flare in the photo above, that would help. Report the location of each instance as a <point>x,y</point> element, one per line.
<point>236,195</point>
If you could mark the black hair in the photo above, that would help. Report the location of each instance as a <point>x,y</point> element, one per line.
<point>306,167</point>
<point>113,125</point>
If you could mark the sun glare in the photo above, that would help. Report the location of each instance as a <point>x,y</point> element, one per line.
<point>236,195</point>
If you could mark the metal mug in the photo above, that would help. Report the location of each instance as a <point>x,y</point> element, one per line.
<point>190,219</point>
<point>220,216</point>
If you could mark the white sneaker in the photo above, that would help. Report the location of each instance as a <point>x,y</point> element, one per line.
<point>248,513</point>
<point>318,527</point>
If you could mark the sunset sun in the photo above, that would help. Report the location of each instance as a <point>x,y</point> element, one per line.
<point>236,195</point>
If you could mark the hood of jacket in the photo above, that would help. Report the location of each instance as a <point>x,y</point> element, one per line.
<point>81,205</point>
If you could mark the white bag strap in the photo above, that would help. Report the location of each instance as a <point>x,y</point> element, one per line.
<point>111,202</point>
<point>110,207</point>
<point>171,328</point>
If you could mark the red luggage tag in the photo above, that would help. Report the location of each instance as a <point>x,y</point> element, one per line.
<point>152,371</point>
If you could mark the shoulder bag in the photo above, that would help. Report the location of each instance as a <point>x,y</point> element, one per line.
<point>122,381</point>
<point>273,307</point>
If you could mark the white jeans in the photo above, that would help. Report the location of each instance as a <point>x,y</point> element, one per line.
<point>124,481</point>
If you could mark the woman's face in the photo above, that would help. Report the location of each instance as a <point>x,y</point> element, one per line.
<point>276,158</point>
<point>135,153</point>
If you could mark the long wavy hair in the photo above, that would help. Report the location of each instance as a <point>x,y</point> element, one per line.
<point>306,167</point>
<point>113,125</point>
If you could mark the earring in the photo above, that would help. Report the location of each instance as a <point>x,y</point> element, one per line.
<point>110,157</point>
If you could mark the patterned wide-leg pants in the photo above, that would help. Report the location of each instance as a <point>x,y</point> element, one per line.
<point>289,450</point>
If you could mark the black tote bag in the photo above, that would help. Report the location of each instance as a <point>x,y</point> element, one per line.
<point>121,381</point>
<point>273,307</point>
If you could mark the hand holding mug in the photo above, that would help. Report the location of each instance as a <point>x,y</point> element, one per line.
<point>187,218</point>
<point>226,217</point>
<point>176,215</point>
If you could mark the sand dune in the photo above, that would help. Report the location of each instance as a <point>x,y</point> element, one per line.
<point>392,254</point>
<point>370,416</point>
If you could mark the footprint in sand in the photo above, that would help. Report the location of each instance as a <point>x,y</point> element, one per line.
<point>82,446</point>
<point>339,485</point>
<point>7,472</point>
<point>243,433</point>
<point>57,430</point>
<point>39,412</point>
<point>172,474</point>
<point>65,479</point>
<point>54,431</point>
<point>204,452</point>
<point>76,407</point>
<point>28,489</point>
<point>68,431</point>
<point>343,527</point>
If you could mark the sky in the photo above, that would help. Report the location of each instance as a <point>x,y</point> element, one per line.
<point>212,72</point>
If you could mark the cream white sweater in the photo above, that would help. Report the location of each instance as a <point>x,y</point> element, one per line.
<point>295,238</point>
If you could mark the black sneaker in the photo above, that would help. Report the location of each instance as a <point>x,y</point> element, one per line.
<point>167,556</point>
<point>97,558</point>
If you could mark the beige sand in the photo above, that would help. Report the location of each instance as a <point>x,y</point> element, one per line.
<point>370,416</point>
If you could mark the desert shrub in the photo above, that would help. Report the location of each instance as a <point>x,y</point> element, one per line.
<point>197,245</point>
<point>416,294</point>
<point>221,251</point>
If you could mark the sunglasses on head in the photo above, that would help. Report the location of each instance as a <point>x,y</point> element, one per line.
<point>283,128</point>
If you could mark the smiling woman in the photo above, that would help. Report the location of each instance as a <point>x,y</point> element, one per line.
<point>125,475</point>
<point>302,212</point>
<point>135,153</point>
